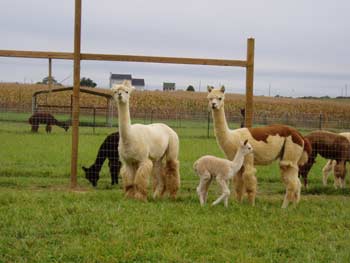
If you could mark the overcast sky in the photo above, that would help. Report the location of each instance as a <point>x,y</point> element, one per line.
<point>301,46</point>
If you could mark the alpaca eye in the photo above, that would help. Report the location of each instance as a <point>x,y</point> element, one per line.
<point>126,92</point>
<point>220,98</point>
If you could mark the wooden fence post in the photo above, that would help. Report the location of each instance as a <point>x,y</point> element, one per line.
<point>76,91</point>
<point>249,83</point>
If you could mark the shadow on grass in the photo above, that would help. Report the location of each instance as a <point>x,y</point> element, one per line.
<point>322,190</point>
<point>326,190</point>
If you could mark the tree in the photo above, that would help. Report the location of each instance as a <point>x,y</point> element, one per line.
<point>87,82</point>
<point>190,88</point>
<point>46,81</point>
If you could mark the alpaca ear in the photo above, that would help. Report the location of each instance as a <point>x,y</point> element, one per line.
<point>209,88</point>
<point>222,89</point>
<point>245,142</point>
<point>127,83</point>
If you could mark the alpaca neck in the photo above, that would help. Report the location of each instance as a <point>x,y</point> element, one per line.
<point>100,159</point>
<point>237,161</point>
<point>124,120</point>
<point>60,123</point>
<point>220,127</point>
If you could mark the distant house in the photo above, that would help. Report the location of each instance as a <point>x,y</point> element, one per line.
<point>139,84</point>
<point>169,86</point>
<point>118,79</point>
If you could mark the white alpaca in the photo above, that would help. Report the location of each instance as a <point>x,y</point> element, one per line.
<point>329,167</point>
<point>223,170</point>
<point>142,149</point>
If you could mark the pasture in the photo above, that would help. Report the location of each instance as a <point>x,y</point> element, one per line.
<point>41,220</point>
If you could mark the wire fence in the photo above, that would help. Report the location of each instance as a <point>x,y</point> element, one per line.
<point>41,147</point>
<point>98,117</point>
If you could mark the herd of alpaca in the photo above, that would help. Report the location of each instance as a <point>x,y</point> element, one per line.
<point>270,143</point>
<point>145,151</point>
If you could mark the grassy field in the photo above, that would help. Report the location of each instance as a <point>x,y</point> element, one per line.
<point>41,220</point>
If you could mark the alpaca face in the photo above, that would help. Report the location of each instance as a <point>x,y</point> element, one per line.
<point>216,97</point>
<point>121,92</point>
<point>246,148</point>
<point>91,175</point>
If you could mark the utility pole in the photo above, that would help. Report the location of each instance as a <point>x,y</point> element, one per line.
<point>269,89</point>
<point>346,90</point>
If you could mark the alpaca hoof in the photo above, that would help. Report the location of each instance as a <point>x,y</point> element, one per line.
<point>140,196</point>
<point>130,191</point>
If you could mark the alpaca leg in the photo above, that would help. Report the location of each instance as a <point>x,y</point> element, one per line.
<point>225,191</point>
<point>202,188</point>
<point>158,179</point>
<point>172,177</point>
<point>250,184</point>
<point>141,179</point>
<point>228,196</point>
<point>326,170</point>
<point>127,173</point>
<point>35,127</point>
<point>339,174</point>
<point>48,128</point>
<point>172,174</point>
<point>239,185</point>
<point>292,183</point>
<point>114,170</point>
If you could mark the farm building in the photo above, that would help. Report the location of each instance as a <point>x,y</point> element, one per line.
<point>139,84</point>
<point>118,79</point>
<point>169,86</point>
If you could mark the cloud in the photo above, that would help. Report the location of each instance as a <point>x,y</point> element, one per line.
<point>300,45</point>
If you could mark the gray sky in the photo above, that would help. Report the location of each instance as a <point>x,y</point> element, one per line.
<point>301,46</point>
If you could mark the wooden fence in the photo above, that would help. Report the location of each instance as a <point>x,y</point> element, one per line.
<point>77,56</point>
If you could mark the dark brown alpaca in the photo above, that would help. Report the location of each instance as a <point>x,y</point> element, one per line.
<point>330,146</point>
<point>108,150</point>
<point>45,118</point>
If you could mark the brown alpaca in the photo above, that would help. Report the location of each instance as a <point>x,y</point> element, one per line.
<point>45,118</point>
<point>329,167</point>
<point>330,146</point>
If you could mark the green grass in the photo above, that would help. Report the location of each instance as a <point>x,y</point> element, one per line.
<point>41,220</point>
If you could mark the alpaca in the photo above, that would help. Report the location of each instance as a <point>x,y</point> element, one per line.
<point>142,149</point>
<point>269,142</point>
<point>45,118</point>
<point>108,150</point>
<point>223,170</point>
<point>330,166</point>
<point>330,146</point>
<point>242,110</point>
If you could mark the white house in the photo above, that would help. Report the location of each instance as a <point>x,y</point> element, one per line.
<point>118,79</point>
<point>139,84</point>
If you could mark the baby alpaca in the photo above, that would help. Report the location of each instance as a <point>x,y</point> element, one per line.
<point>223,170</point>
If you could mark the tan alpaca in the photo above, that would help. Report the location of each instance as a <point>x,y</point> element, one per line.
<point>270,143</point>
<point>330,166</point>
<point>142,149</point>
<point>208,167</point>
